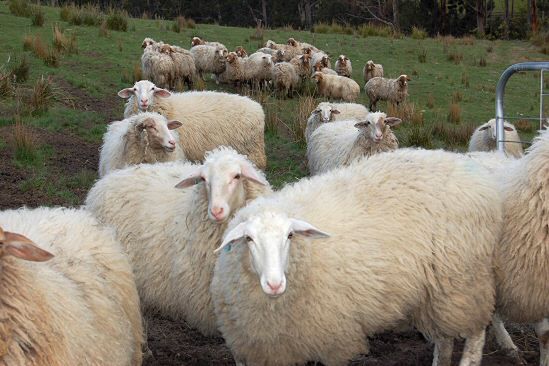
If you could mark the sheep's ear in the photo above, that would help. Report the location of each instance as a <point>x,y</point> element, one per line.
<point>22,247</point>
<point>484,128</point>
<point>126,93</point>
<point>507,128</point>
<point>362,124</point>
<point>392,121</point>
<point>335,111</point>
<point>235,236</point>
<point>192,179</point>
<point>159,92</point>
<point>301,227</point>
<point>172,125</point>
<point>251,174</point>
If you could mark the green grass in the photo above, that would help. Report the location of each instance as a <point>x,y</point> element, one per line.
<point>98,67</point>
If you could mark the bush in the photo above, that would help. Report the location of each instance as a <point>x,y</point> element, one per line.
<point>419,136</point>
<point>6,84</point>
<point>371,29</point>
<point>454,113</point>
<point>455,56</point>
<point>117,20</point>
<point>333,28</point>
<point>42,95</point>
<point>453,135</point>
<point>37,17</point>
<point>20,72</point>
<point>20,8</point>
<point>418,33</point>
<point>422,56</point>
<point>181,22</point>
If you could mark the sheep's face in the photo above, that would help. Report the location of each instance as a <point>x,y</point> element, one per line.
<point>21,247</point>
<point>222,175</point>
<point>268,236</point>
<point>267,60</point>
<point>196,41</point>
<point>231,57</point>
<point>144,92</point>
<point>490,129</point>
<point>158,132</point>
<point>343,60</point>
<point>317,76</point>
<point>147,42</point>
<point>241,52</point>
<point>326,113</point>
<point>403,80</point>
<point>324,61</point>
<point>307,51</point>
<point>377,126</point>
<point>270,44</point>
<point>292,42</point>
<point>370,65</point>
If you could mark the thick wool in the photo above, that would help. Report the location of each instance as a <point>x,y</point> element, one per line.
<point>334,145</point>
<point>212,119</point>
<point>80,307</point>
<point>208,59</point>
<point>372,70</point>
<point>321,58</point>
<point>157,65</point>
<point>408,241</point>
<point>391,90</point>
<point>302,65</point>
<point>124,144</point>
<point>484,139</point>
<point>337,87</point>
<point>347,111</point>
<point>185,69</point>
<point>343,66</point>
<point>167,235</point>
<point>285,77</point>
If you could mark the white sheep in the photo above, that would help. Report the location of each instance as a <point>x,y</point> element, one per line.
<point>522,263</point>
<point>209,59</point>
<point>156,63</point>
<point>302,65</point>
<point>372,70</point>
<point>258,68</point>
<point>241,52</point>
<point>142,138</point>
<point>285,78</point>
<point>343,66</point>
<point>196,41</point>
<point>210,119</point>
<point>320,58</point>
<point>327,112</point>
<point>170,234</point>
<point>80,306</point>
<point>391,90</point>
<point>484,139</point>
<point>333,145</point>
<point>321,68</point>
<point>289,51</point>
<point>405,240</point>
<point>337,87</point>
<point>185,68</point>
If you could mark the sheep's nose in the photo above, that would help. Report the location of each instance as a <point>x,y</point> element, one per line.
<point>217,212</point>
<point>274,286</point>
<point>171,142</point>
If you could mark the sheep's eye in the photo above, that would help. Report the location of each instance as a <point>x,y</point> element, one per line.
<point>237,176</point>
<point>202,179</point>
<point>290,235</point>
<point>134,89</point>
<point>152,88</point>
<point>248,239</point>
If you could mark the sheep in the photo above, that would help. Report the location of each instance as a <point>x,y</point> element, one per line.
<point>322,58</point>
<point>196,41</point>
<point>327,112</point>
<point>337,87</point>
<point>338,144</point>
<point>258,68</point>
<point>391,90</point>
<point>288,51</point>
<point>234,69</point>
<point>285,78</point>
<point>267,50</point>
<point>241,52</point>
<point>185,68</point>
<point>302,45</point>
<point>372,70</point>
<point>80,306</point>
<point>170,234</point>
<point>142,138</point>
<point>386,255</point>
<point>302,65</point>
<point>157,64</point>
<point>343,66</point>
<point>521,261</point>
<point>321,68</point>
<point>484,139</point>
<point>209,59</point>
<point>210,119</point>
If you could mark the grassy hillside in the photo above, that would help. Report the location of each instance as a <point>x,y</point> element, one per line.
<point>51,152</point>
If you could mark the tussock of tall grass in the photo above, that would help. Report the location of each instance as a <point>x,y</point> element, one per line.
<point>24,142</point>
<point>455,56</point>
<point>454,135</point>
<point>117,20</point>
<point>419,136</point>
<point>454,113</point>
<point>305,107</point>
<point>48,55</point>
<point>524,125</point>
<point>335,27</point>
<point>37,17</point>
<point>20,8</point>
<point>422,56</point>
<point>418,33</point>
<point>372,30</point>
<point>88,14</point>
<point>20,71</point>
<point>430,101</point>
<point>6,84</point>
<point>43,95</point>
<point>181,23</point>
<point>407,112</point>
<point>63,44</point>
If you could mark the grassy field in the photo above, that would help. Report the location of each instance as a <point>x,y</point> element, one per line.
<point>452,91</point>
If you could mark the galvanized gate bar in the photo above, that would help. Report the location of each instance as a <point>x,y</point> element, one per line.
<point>500,89</point>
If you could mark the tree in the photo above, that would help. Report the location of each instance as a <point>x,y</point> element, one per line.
<point>481,16</point>
<point>395,15</point>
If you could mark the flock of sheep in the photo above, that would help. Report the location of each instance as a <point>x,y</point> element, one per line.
<point>184,222</point>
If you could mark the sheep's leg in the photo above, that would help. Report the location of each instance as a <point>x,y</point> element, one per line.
<point>505,341</point>
<point>542,330</point>
<point>442,355</point>
<point>472,353</point>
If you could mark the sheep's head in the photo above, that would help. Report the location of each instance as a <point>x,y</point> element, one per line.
<point>292,42</point>
<point>144,92</point>
<point>231,57</point>
<point>378,124</point>
<point>267,60</point>
<point>318,66</point>
<point>306,59</point>
<point>278,56</point>
<point>325,61</point>
<point>197,41</point>
<point>403,80</point>
<point>489,128</point>
<point>21,247</point>
<point>370,65</point>
<point>318,76</point>
<point>241,52</point>
<point>270,44</point>
<point>147,42</point>
<point>166,48</point>
<point>307,51</point>
<point>158,129</point>
<point>223,174</point>
<point>268,236</point>
<point>343,60</point>
<point>326,112</point>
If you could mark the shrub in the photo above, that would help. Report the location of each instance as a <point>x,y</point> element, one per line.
<point>418,33</point>
<point>20,8</point>
<point>42,95</point>
<point>419,136</point>
<point>422,56</point>
<point>453,135</point>
<point>37,17</point>
<point>454,113</point>
<point>20,72</point>
<point>117,20</point>
<point>455,56</point>
<point>371,29</point>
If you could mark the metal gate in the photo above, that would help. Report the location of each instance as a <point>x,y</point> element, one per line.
<point>500,90</point>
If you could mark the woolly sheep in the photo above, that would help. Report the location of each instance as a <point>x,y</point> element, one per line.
<point>320,58</point>
<point>267,50</point>
<point>185,68</point>
<point>522,264</point>
<point>196,41</point>
<point>208,59</point>
<point>234,69</point>
<point>321,68</point>
<point>338,144</point>
<point>285,78</point>
<point>327,112</point>
<point>343,66</point>
<point>372,70</point>
<point>210,119</point>
<point>302,65</point>
<point>391,90</point>
<point>484,139</point>
<point>386,256</point>
<point>288,51</point>
<point>258,68</point>
<point>142,138</point>
<point>302,45</point>
<point>157,64</point>
<point>78,307</point>
<point>170,234</point>
<point>337,87</point>
<point>241,52</point>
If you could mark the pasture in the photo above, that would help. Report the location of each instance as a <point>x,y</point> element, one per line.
<point>53,118</point>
